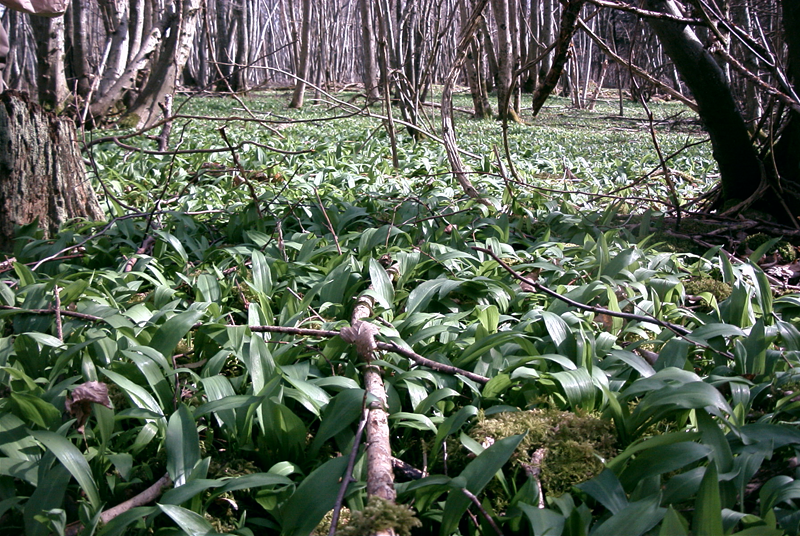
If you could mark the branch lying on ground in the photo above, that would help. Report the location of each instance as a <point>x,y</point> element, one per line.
<point>147,496</point>
<point>675,328</point>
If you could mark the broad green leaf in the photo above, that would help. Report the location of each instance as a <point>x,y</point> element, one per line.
<point>314,497</point>
<point>262,274</point>
<point>183,445</point>
<point>169,334</point>
<point>140,396</point>
<point>578,387</point>
<point>707,519</point>
<point>48,494</point>
<point>341,412</point>
<point>35,410</point>
<point>606,489</point>
<point>69,455</point>
<point>673,524</point>
<point>544,522</point>
<point>635,519</point>
<point>382,284</point>
<point>190,522</point>
<point>475,476</point>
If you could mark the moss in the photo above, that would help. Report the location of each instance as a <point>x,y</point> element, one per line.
<point>324,526</point>
<point>129,121</point>
<point>784,249</point>
<point>379,515</point>
<point>698,285</point>
<point>574,444</point>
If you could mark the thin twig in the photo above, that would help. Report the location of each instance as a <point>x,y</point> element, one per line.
<point>482,510</point>
<point>57,308</point>
<point>328,220</point>
<point>242,172</point>
<point>73,314</point>
<point>348,473</point>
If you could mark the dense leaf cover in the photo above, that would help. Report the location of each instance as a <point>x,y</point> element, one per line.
<point>249,426</point>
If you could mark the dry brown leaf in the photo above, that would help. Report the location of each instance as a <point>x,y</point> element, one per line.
<point>79,401</point>
<point>362,334</point>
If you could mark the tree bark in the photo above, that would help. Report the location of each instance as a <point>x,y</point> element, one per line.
<point>569,20</point>
<point>787,155</point>
<point>739,166</point>
<point>170,63</point>
<point>369,51</point>
<point>41,170</point>
<point>302,69</point>
<point>51,82</point>
<point>505,60</point>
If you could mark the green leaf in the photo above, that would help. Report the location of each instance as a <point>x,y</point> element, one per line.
<point>262,275</point>
<point>35,410</point>
<point>183,445</point>
<point>169,334</point>
<point>606,489</point>
<point>69,455</point>
<point>635,519</point>
<point>341,412</point>
<point>475,476</point>
<point>544,522</point>
<point>673,524</point>
<point>384,290</point>
<point>190,522</point>
<point>707,520</point>
<point>314,497</point>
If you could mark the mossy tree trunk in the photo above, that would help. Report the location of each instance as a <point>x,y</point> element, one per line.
<point>42,175</point>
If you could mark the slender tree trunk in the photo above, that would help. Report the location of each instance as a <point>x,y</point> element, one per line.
<point>505,60</point>
<point>369,53</point>
<point>787,154</point>
<point>569,20</point>
<point>480,101</point>
<point>78,47</point>
<point>51,82</point>
<point>302,69</point>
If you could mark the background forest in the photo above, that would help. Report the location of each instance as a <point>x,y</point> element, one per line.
<point>409,267</point>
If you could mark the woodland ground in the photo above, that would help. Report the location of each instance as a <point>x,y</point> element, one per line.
<point>659,398</point>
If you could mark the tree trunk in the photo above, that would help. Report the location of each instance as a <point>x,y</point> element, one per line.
<point>302,69</point>
<point>505,60</point>
<point>787,155</point>
<point>41,170</point>
<point>480,101</point>
<point>740,169</point>
<point>569,21</point>
<point>51,82</point>
<point>171,60</point>
<point>369,53</point>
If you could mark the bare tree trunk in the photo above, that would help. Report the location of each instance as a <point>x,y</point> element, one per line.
<point>480,100</point>
<point>172,58</point>
<point>505,60</point>
<point>302,70</point>
<point>77,44</point>
<point>569,19</point>
<point>51,82</point>
<point>369,53</point>
<point>41,170</point>
<point>739,166</point>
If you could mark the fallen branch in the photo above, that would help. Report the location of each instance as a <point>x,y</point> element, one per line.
<point>387,346</point>
<point>147,496</point>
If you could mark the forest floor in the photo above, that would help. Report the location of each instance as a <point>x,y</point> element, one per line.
<point>574,352</point>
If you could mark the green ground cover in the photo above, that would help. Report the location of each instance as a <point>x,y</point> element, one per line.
<point>677,419</point>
